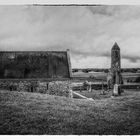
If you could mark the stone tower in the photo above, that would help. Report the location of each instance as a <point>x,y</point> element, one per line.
<point>115,65</point>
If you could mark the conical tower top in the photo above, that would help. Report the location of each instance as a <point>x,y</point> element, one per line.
<point>115,47</point>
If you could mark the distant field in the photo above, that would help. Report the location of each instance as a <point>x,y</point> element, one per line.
<point>34,113</point>
<point>102,74</point>
<point>83,74</point>
<point>130,74</point>
<point>99,76</point>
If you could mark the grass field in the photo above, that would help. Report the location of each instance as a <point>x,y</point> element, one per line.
<point>33,113</point>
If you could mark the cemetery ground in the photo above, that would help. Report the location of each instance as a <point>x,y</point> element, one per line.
<point>34,113</point>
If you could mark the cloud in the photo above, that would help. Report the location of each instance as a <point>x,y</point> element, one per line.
<point>88,31</point>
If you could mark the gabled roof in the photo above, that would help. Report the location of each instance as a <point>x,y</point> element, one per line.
<point>115,47</point>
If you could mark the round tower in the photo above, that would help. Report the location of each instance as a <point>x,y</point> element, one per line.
<point>115,58</point>
<point>115,65</point>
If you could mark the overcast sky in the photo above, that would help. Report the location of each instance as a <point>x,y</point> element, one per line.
<point>88,31</point>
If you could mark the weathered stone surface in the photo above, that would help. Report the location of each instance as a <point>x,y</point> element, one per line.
<point>115,71</point>
<point>42,87</point>
<point>28,65</point>
<point>21,71</point>
<point>60,88</point>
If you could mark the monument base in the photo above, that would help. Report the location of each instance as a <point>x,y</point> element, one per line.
<point>116,90</point>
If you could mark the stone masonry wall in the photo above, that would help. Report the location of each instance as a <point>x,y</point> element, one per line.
<point>28,65</point>
<point>60,88</point>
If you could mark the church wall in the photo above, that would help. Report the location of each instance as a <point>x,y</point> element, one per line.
<point>26,65</point>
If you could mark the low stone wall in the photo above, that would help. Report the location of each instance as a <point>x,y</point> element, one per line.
<point>60,88</point>
<point>93,86</point>
<point>131,87</point>
<point>18,85</point>
<point>99,87</point>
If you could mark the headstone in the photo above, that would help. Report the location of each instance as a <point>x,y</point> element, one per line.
<point>115,89</point>
<point>90,89</point>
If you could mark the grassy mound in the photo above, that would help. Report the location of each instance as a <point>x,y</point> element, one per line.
<point>33,113</point>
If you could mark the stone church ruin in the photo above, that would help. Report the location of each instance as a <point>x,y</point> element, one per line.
<point>48,71</point>
<point>26,65</point>
<point>32,71</point>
